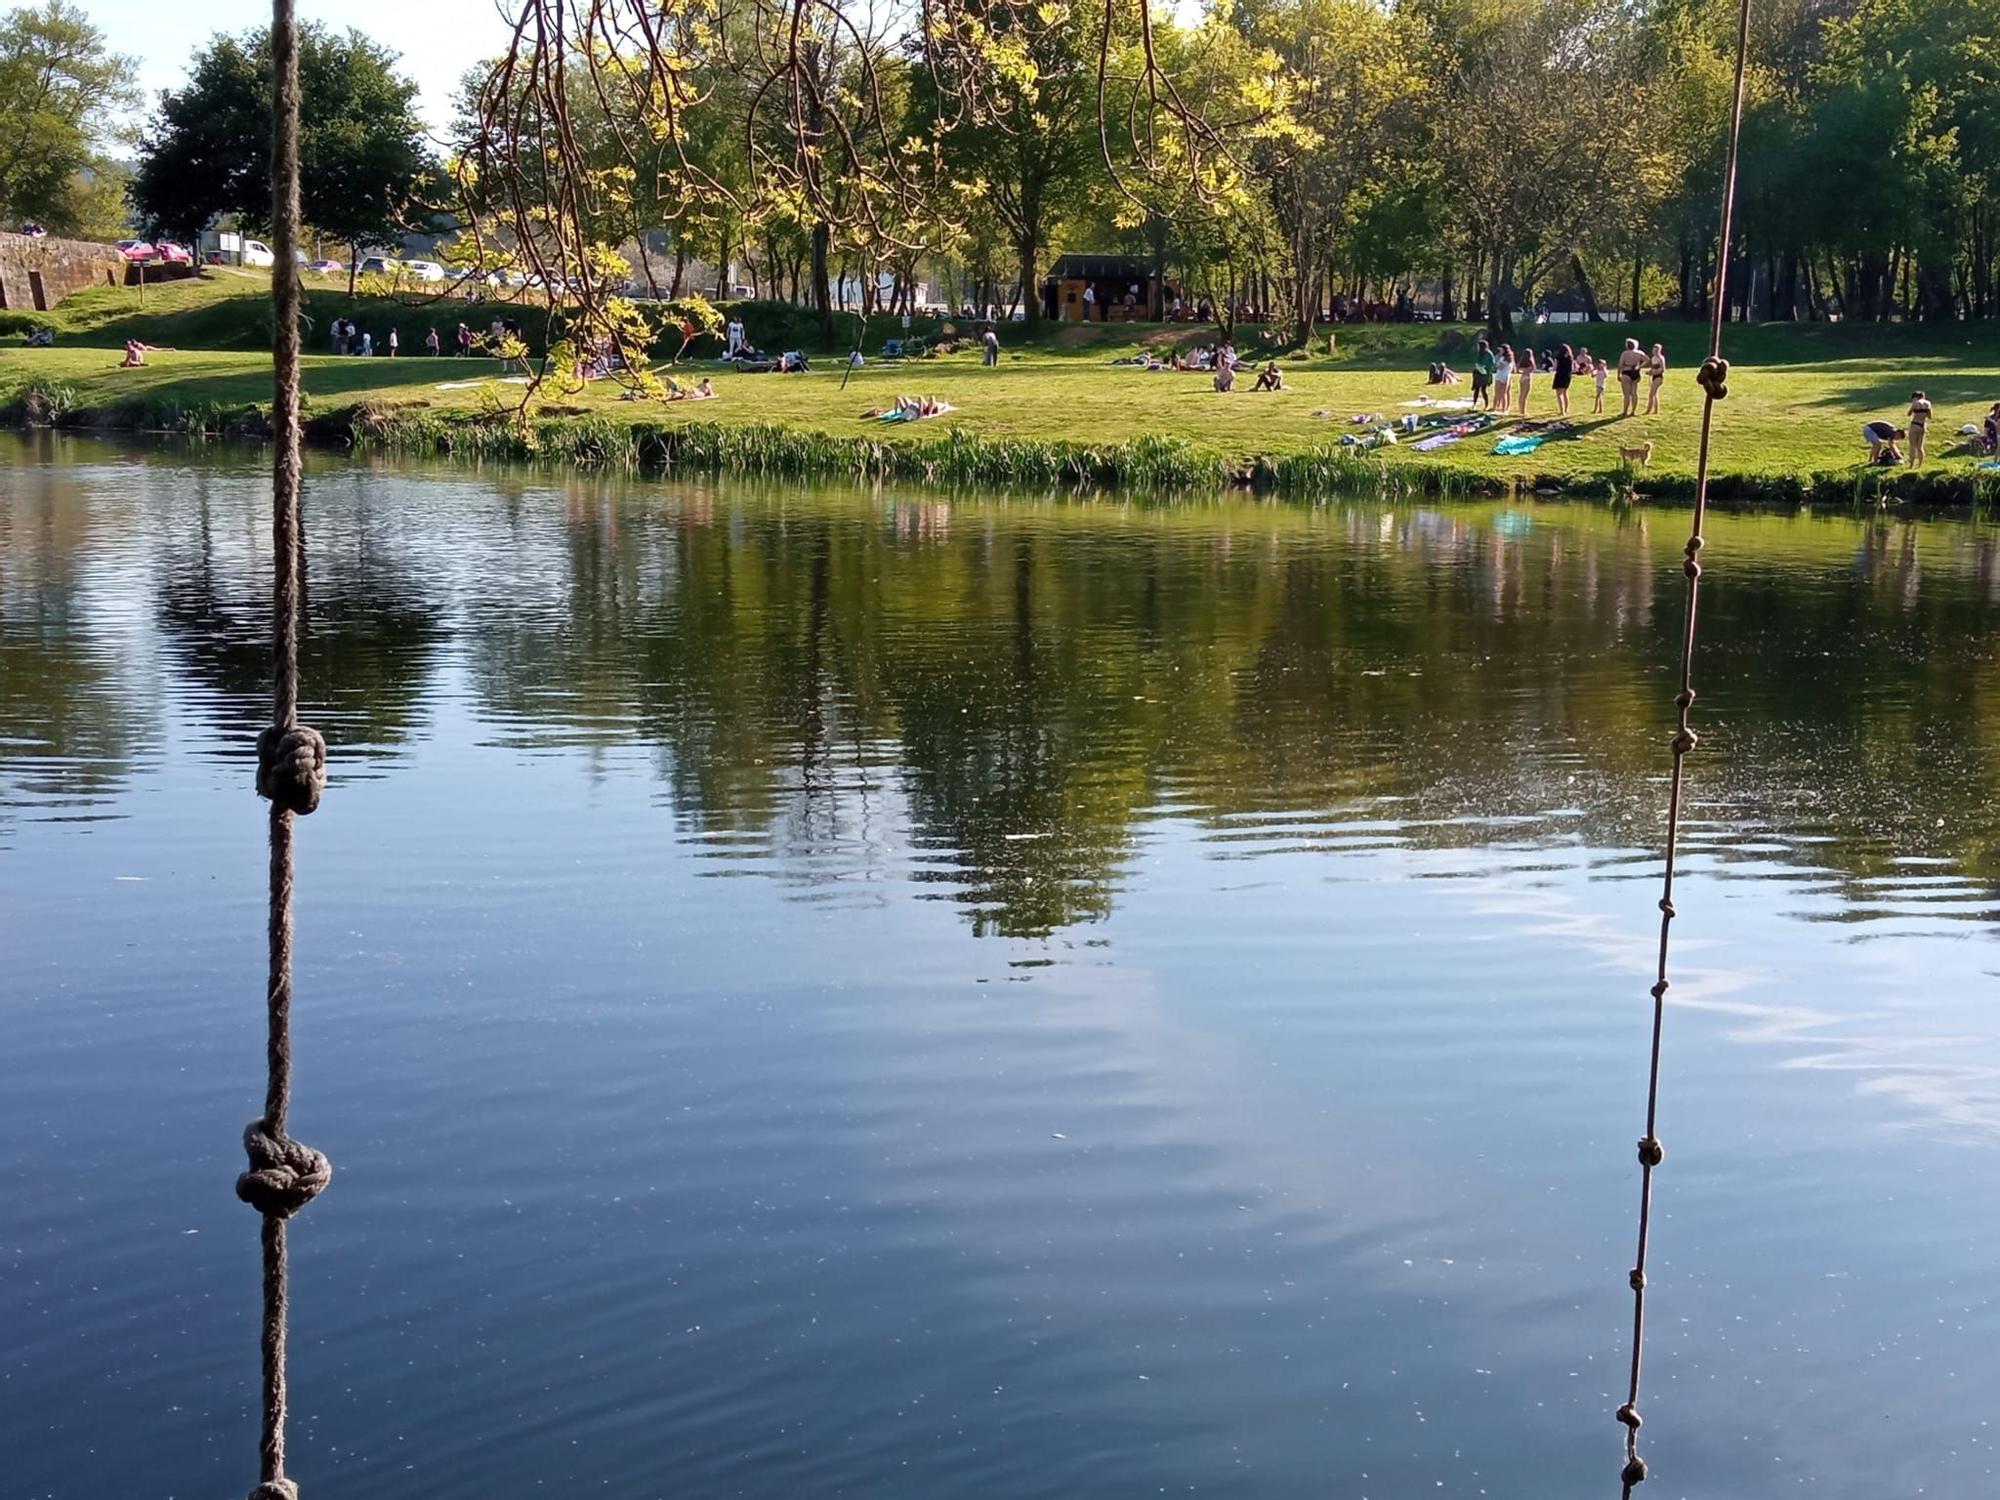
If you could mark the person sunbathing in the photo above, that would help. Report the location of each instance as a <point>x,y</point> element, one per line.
<point>1270,378</point>
<point>136,352</point>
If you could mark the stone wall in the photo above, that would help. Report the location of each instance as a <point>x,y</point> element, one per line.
<point>38,272</point>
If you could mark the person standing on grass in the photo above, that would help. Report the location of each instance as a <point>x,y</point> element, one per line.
<point>991,340</point>
<point>1656,366</point>
<point>1565,371</point>
<point>1630,364</point>
<point>431,343</point>
<point>735,335</point>
<point>1089,300</point>
<point>1503,376</point>
<point>1599,373</point>
<point>367,346</point>
<point>464,340</point>
<point>1524,375</point>
<point>395,342</point>
<point>1482,374</point>
<point>1919,420</point>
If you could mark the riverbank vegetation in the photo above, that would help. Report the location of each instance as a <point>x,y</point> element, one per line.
<point>1055,411</point>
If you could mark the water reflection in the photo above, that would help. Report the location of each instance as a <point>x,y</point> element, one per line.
<point>1027,684</point>
<point>822,992</point>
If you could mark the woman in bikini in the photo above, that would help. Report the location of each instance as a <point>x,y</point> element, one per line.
<point>1630,363</point>
<point>1503,373</point>
<point>1656,367</point>
<point>1524,374</point>
<point>1565,370</point>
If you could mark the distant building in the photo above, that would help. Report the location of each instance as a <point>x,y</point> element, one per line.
<point>1110,280</point>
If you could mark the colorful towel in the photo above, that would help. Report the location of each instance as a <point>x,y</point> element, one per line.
<point>1514,447</point>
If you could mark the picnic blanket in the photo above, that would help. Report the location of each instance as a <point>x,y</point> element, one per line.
<point>1519,443</point>
<point>1454,433</point>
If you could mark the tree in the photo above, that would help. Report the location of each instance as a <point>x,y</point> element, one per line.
<point>1359,128</point>
<point>365,169</point>
<point>1033,151</point>
<point>62,88</point>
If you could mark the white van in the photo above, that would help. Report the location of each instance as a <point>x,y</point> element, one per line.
<point>257,253</point>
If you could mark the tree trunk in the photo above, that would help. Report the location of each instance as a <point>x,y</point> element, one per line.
<point>1583,285</point>
<point>822,294</point>
<point>1028,248</point>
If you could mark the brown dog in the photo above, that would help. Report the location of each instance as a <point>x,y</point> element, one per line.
<point>1641,455</point>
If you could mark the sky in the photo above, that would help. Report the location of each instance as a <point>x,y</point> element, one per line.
<point>439,39</point>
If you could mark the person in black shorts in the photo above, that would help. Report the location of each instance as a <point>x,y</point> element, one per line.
<point>1565,369</point>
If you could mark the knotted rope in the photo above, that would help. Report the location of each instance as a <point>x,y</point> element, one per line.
<point>285,1175</point>
<point>1713,378</point>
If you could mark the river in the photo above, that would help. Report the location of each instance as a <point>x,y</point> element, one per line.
<point>819,991</point>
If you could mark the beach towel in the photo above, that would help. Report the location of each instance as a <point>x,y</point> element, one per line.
<point>1437,440</point>
<point>1513,447</point>
<point>1454,403</point>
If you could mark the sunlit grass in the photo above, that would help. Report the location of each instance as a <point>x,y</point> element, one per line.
<point>1797,400</point>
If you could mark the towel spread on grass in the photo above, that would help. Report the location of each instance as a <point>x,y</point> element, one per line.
<point>1514,447</point>
<point>1453,433</point>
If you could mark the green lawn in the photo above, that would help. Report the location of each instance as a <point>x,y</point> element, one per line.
<point>1798,396</point>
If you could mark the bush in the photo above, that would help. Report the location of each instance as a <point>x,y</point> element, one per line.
<point>21,324</point>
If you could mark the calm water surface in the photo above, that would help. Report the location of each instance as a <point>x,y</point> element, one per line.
<point>823,993</point>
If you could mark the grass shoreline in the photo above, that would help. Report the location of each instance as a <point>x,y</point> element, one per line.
<point>949,455</point>
<point>1061,411</point>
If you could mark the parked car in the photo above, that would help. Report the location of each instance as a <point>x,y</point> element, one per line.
<point>257,253</point>
<point>377,265</point>
<point>172,254</point>
<point>139,252</point>
<point>423,270</point>
<point>326,268</point>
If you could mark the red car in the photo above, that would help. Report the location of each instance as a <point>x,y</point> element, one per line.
<point>140,251</point>
<point>172,254</point>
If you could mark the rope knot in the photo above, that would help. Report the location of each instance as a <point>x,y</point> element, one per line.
<point>291,766</point>
<point>1634,1471</point>
<point>1660,987</point>
<point>1685,740</point>
<point>275,1489</point>
<point>1651,1152</point>
<point>285,1175</point>
<point>1713,377</point>
<point>1637,1278</point>
<point>1629,1415</point>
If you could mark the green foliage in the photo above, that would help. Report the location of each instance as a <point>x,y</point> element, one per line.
<point>366,171</point>
<point>61,89</point>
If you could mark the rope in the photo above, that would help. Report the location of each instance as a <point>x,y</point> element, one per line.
<point>285,1175</point>
<point>1713,377</point>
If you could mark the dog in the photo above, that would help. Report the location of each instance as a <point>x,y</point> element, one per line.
<point>1641,455</point>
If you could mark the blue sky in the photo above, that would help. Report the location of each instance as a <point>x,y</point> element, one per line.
<point>439,39</point>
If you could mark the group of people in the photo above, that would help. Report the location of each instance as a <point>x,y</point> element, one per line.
<point>1504,381</point>
<point>1886,440</point>
<point>349,340</point>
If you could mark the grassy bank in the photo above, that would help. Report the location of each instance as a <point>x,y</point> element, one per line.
<point>1055,412</point>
